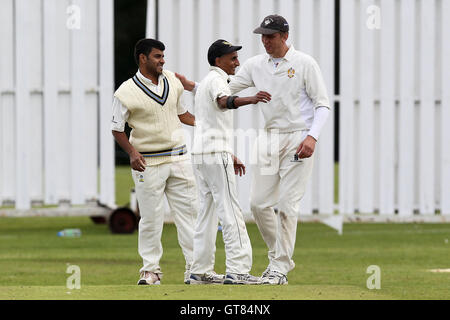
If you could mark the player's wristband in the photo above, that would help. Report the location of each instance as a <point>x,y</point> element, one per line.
<point>230,102</point>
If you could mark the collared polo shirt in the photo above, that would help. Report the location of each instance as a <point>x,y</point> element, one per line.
<point>213,125</point>
<point>296,85</point>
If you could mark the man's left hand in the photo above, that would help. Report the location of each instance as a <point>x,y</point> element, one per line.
<point>306,148</point>
<point>239,167</point>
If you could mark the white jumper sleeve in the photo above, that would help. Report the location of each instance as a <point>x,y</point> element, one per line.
<point>119,115</point>
<point>315,85</point>
<point>243,79</point>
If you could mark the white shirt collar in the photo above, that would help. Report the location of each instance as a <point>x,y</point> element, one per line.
<point>222,73</point>
<point>287,56</point>
<point>147,81</point>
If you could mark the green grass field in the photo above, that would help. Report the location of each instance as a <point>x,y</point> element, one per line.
<point>34,261</point>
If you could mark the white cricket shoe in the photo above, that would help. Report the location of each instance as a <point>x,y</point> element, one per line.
<point>148,277</point>
<point>275,278</point>
<point>207,278</point>
<point>236,278</point>
<point>266,273</point>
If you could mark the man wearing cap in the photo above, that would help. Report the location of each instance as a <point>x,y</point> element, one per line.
<point>293,119</point>
<point>215,167</point>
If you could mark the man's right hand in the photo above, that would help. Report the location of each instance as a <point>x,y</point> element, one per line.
<point>261,96</point>
<point>137,161</point>
<point>187,84</point>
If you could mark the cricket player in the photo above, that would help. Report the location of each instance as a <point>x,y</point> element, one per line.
<point>293,119</point>
<point>215,167</point>
<point>151,103</point>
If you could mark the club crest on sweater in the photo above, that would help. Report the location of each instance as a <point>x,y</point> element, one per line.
<point>291,72</point>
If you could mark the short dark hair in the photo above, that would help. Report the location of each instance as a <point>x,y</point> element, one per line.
<point>145,46</point>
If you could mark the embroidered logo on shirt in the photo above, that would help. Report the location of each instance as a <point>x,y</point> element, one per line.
<point>291,72</point>
<point>140,177</point>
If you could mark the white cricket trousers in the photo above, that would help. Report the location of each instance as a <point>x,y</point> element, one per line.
<point>216,183</point>
<point>177,182</point>
<point>279,182</point>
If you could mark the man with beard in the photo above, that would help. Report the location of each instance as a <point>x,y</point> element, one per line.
<point>151,103</point>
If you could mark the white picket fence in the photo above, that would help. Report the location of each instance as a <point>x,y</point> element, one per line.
<point>395,81</point>
<point>394,101</point>
<point>56,86</point>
